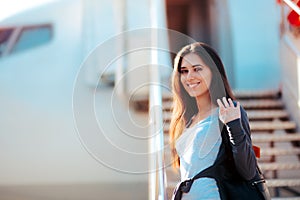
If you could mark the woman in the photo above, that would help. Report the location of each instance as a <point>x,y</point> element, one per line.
<point>203,104</point>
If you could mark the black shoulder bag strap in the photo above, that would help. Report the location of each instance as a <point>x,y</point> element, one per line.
<point>209,172</point>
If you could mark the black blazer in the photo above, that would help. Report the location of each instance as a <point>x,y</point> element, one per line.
<point>236,153</point>
<point>235,168</point>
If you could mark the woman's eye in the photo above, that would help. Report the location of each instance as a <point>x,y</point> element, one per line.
<point>197,69</point>
<point>184,71</point>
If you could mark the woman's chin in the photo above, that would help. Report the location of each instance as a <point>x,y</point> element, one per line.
<point>193,94</point>
<point>198,93</point>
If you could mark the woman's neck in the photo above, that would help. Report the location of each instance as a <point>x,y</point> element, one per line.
<point>204,105</point>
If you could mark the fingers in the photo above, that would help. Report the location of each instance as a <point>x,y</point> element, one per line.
<point>228,110</point>
<point>220,104</point>
<point>231,102</point>
<point>225,102</point>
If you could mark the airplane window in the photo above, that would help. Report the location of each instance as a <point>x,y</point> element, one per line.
<point>5,34</point>
<point>32,36</point>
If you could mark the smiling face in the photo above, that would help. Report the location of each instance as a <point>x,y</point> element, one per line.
<point>195,76</point>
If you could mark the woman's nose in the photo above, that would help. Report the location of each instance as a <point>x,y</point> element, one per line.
<point>190,75</point>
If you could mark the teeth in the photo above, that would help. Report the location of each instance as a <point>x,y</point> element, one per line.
<point>193,85</point>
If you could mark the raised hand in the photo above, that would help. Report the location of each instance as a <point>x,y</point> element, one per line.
<point>228,112</point>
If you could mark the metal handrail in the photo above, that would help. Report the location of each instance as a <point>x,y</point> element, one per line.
<point>289,44</point>
<point>293,6</point>
<point>157,184</point>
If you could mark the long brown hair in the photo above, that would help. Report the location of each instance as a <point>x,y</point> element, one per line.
<point>185,106</point>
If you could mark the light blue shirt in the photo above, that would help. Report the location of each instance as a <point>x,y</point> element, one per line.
<point>198,147</point>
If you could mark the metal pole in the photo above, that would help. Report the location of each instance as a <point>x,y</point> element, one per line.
<point>155,111</point>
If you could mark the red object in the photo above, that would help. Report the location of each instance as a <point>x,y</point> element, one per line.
<point>293,17</point>
<point>256,151</point>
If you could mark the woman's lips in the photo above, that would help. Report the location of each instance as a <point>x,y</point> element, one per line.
<point>193,85</point>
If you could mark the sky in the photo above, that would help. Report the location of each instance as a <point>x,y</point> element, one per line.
<point>10,7</point>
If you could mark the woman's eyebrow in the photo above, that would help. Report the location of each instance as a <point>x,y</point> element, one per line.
<point>195,65</point>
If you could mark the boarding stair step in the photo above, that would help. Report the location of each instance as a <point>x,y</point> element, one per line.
<point>167,106</point>
<point>247,104</point>
<point>242,94</point>
<point>254,94</point>
<point>283,182</point>
<point>272,125</point>
<point>262,104</point>
<point>252,115</point>
<point>268,137</point>
<point>278,166</point>
<point>167,117</point>
<point>258,125</point>
<point>267,114</point>
<point>280,151</point>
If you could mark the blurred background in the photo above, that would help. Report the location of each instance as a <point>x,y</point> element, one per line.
<point>75,90</point>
